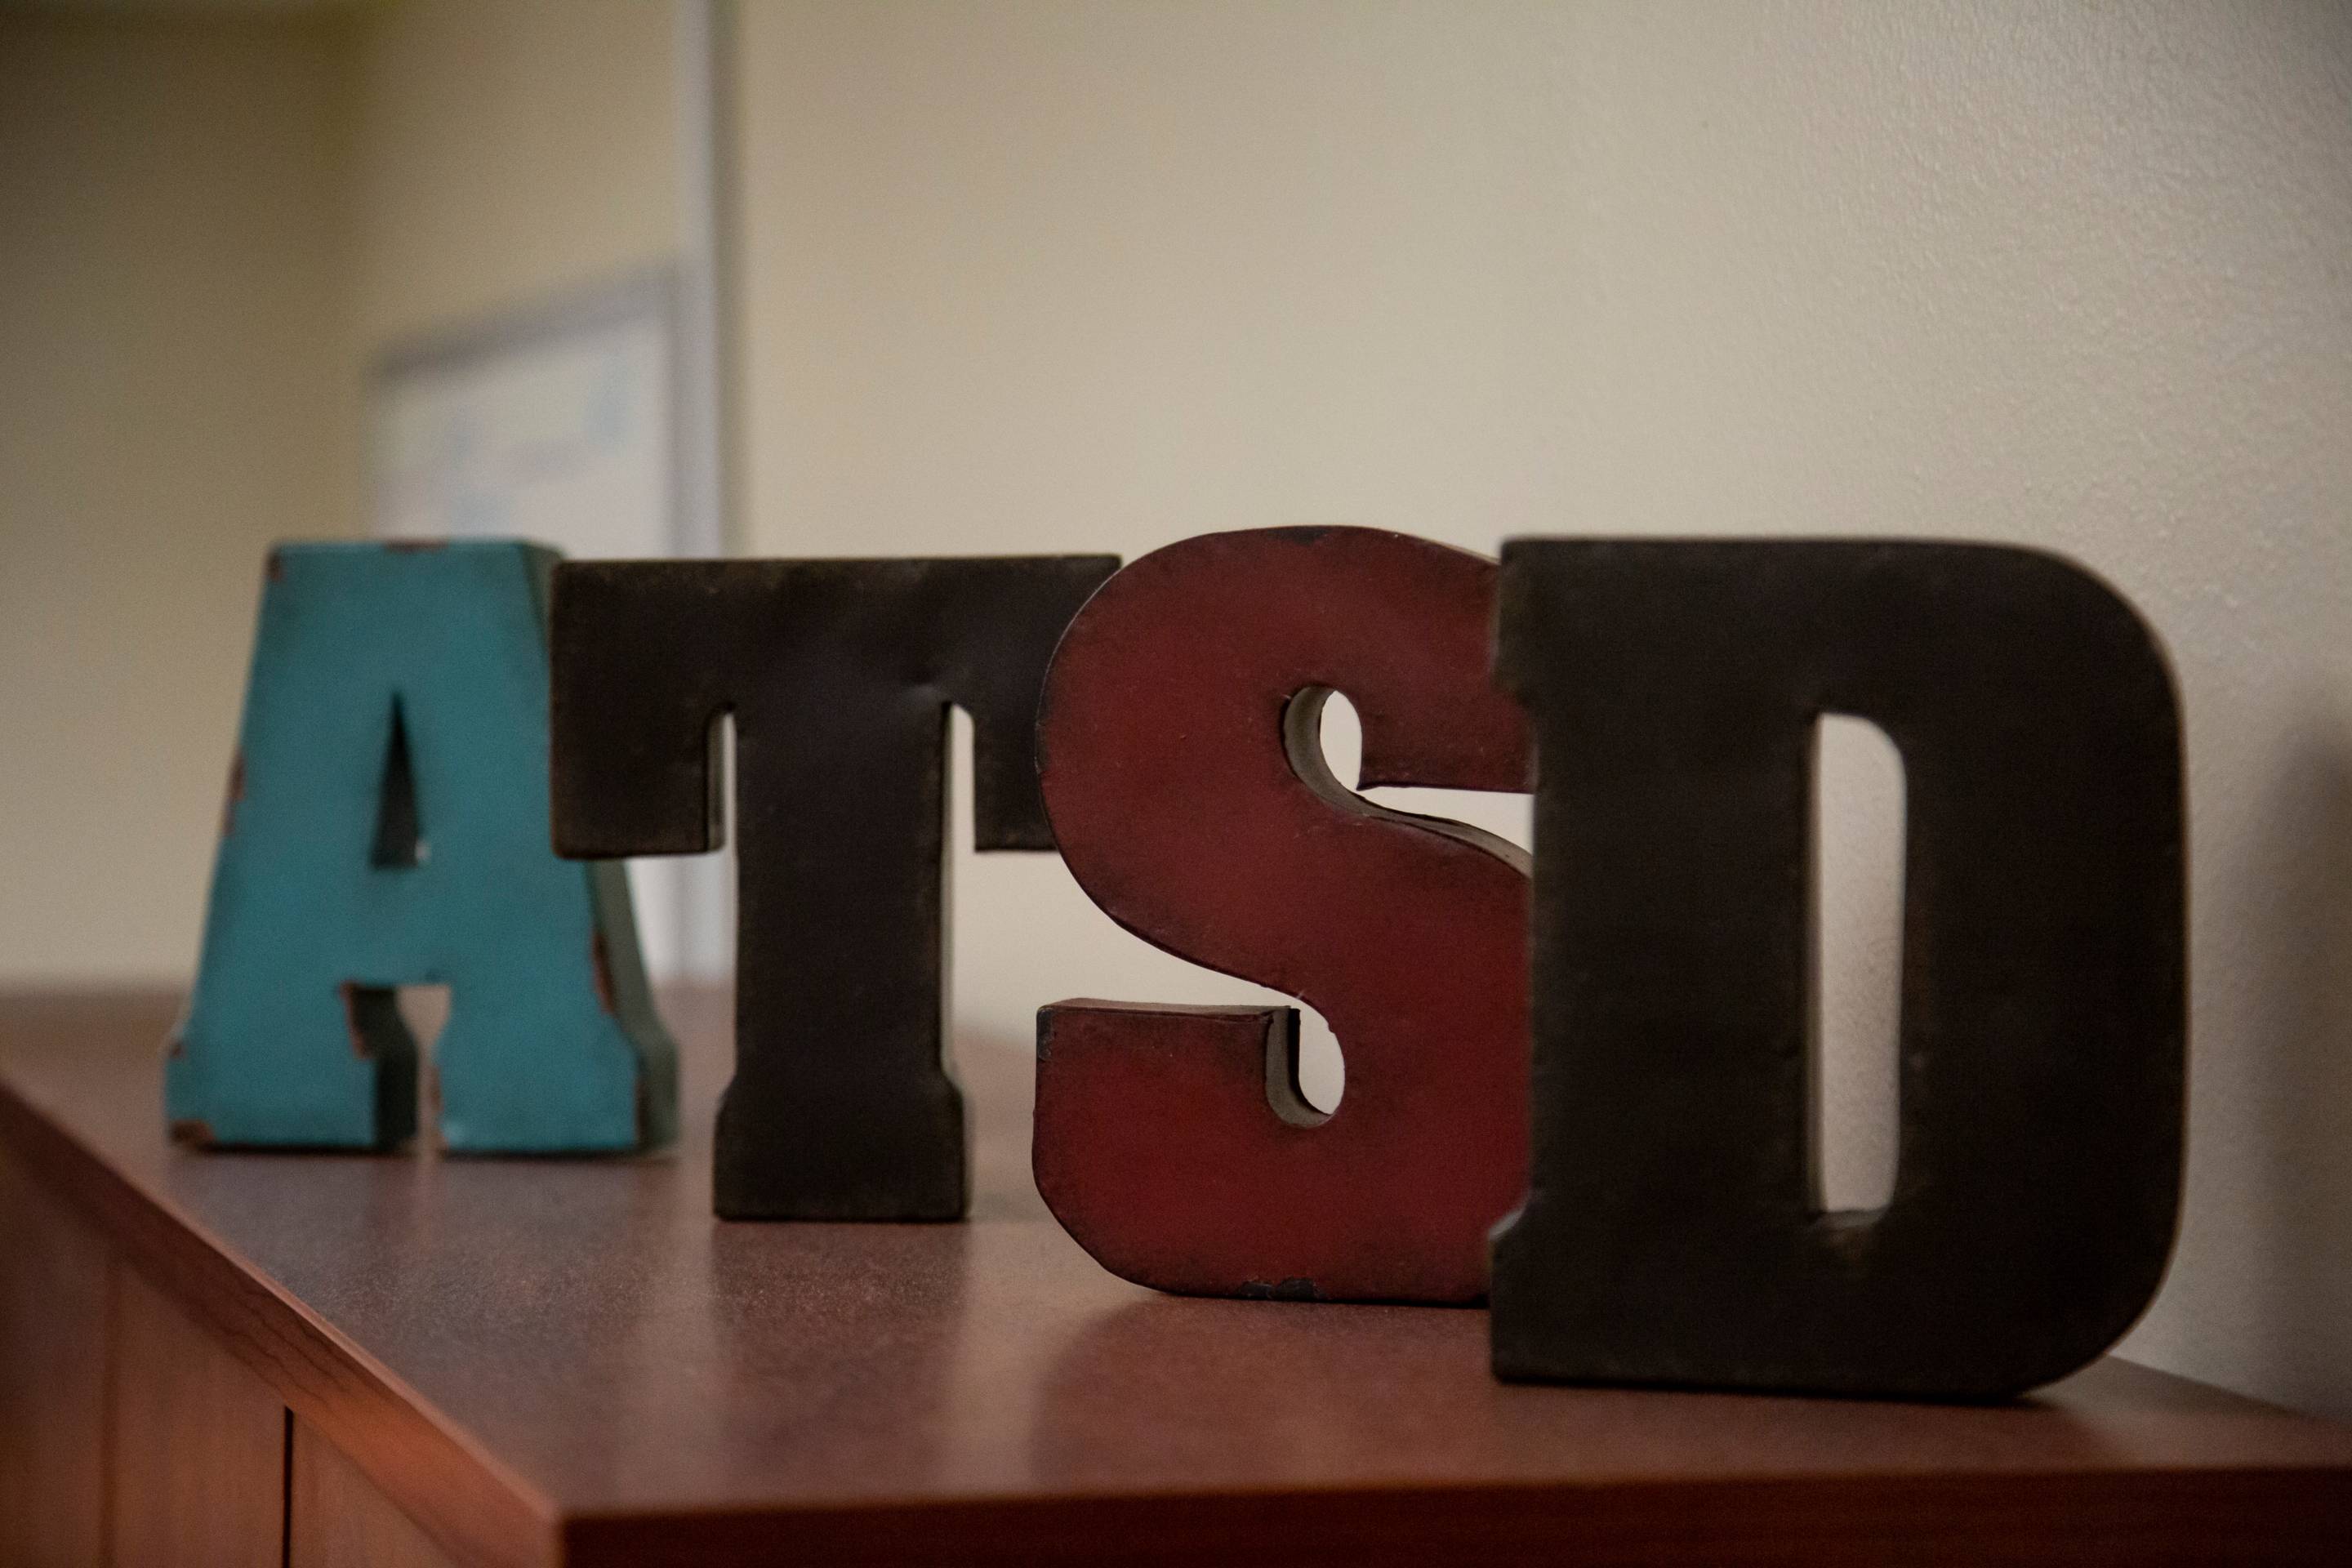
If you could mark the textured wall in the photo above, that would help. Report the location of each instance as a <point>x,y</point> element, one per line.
<point>209,230</point>
<point>169,337</point>
<point>506,151</point>
<point>1061,276</point>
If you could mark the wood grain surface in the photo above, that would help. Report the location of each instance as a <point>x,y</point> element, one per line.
<point>197,1440</point>
<point>337,1519</point>
<point>542,1361</point>
<point>54,1289</point>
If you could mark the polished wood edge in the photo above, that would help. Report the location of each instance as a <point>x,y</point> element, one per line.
<point>2281,1515</point>
<point>456,1492</point>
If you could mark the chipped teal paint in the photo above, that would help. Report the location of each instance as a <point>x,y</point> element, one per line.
<point>551,1044</point>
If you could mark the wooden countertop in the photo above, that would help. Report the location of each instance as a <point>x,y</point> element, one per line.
<point>549,1361</point>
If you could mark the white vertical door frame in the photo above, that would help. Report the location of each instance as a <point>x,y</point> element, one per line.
<point>703,523</point>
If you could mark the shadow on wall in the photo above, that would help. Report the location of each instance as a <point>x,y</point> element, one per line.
<point>2302,1046</point>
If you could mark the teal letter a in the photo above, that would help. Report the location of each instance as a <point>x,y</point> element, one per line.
<point>386,826</point>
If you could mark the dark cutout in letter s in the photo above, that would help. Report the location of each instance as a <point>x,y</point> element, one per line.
<point>1180,752</point>
<point>1670,1235</point>
<point>839,674</point>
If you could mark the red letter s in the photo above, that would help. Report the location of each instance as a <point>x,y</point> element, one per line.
<point>1177,747</point>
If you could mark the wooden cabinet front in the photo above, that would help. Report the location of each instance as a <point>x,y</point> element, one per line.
<point>53,1289</point>
<point>132,1436</point>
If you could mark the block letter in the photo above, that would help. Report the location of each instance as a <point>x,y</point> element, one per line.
<point>1672,1234</point>
<point>839,674</point>
<point>1180,752</point>
<point>387,824</point>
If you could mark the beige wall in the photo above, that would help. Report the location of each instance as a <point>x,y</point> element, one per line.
<point>170,403</point>
<point>507,151</point>
<point>208,231</point>
<point>1068,276</point>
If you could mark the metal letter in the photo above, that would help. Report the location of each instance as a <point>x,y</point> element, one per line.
<point>1671,1235</point>
<point>387,826</point>
<point>1180,752</point>
<point>839,674</point>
